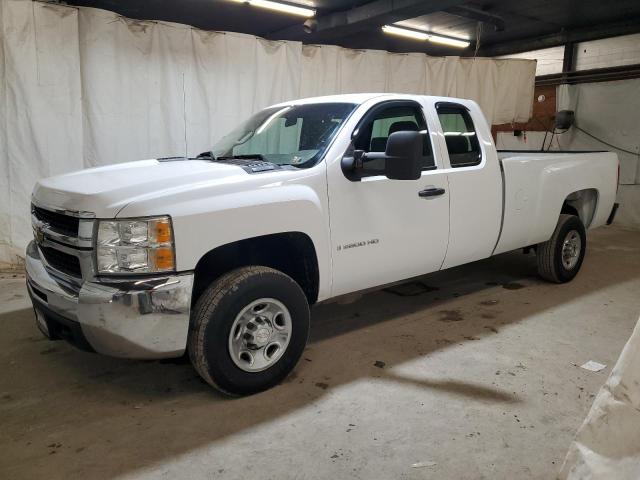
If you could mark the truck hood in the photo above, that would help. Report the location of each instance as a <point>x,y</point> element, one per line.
<point>106,190</point>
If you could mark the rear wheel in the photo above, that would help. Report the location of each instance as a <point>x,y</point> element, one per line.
<point>560,257</point>
<point>248,330</point>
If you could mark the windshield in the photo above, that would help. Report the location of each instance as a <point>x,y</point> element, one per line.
<point>289,135</point>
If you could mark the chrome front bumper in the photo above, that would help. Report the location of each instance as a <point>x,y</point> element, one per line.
<point>146,318</point>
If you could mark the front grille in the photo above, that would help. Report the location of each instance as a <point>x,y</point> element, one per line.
<point>58,222</point>
<point>61,261</point>
<point>37,292</point>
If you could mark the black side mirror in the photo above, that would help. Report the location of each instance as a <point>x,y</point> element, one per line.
<point>403,156</point>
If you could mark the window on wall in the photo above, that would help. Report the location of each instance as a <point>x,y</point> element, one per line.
<point>459,134</point>
<point>373,134</point>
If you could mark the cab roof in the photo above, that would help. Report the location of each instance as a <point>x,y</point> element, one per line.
<point>360,98</point>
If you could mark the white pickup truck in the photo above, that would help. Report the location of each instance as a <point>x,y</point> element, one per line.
<point>222,255</point>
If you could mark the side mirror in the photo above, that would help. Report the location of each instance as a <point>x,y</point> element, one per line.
<point>403,156</point>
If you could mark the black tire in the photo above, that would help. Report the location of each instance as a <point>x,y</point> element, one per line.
<point>213,317</point>
<point>549,253</point>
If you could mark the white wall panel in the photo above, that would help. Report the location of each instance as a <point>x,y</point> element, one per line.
<point>82,87</point>
<point>549,59</point>
<point>608,52</point>
<point>611,112</point>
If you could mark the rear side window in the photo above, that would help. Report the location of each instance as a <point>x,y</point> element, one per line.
<point>460,135</point>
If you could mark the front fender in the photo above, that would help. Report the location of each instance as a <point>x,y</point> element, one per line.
<point>204,223</point>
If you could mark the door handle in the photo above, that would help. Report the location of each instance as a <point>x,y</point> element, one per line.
<point>431,192</point>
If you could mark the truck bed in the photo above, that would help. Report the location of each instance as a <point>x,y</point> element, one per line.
<point>536,185</point>
<point>506,153</point>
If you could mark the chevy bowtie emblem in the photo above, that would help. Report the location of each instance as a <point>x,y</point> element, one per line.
<point>38,233</point>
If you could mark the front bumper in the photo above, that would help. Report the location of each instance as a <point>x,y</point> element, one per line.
<point>145,318</point>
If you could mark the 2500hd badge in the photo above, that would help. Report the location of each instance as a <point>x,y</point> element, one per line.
<point>373,241</point>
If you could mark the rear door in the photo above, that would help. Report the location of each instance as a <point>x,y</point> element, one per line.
<point>475,181</point>
<point>384,230</point>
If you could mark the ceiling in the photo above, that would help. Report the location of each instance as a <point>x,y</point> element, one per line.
<point>507,26</point>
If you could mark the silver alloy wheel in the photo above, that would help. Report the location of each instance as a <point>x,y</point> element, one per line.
<point>260,335</point>
<point>571,248</point>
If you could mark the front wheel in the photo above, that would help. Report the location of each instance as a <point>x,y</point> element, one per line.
<point>248,330</point>
<point>560,257</point>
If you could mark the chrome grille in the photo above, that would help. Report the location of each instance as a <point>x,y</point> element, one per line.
<point>58,222</point>
<point>65,239</point>
<point>61,261</point>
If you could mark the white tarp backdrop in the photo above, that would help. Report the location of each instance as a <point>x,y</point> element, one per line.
<point>81,87</point>
<point>607,445</point>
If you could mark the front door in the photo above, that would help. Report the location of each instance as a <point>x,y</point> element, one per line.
<point>386,230</point>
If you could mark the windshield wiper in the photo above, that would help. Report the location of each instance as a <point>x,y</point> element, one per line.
<point>250,156</point>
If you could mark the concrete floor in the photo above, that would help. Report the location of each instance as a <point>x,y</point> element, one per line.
<point>474,369</point>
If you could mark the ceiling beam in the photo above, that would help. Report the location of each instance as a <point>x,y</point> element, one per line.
<point>594,32</point>
<point>368,16</point>
<point>478,15</point>
<point>593,75</point>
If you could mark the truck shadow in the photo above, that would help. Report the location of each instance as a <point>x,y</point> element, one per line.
<point>111,405</point>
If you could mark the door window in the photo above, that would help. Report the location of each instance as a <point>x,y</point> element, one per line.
<point>372,135</point>
<point>460,135</point>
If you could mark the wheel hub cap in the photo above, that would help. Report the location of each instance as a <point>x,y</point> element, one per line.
<point>260,334</point>
<point>571,248</point>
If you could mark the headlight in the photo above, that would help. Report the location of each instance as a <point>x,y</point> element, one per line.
<point>143,245</point>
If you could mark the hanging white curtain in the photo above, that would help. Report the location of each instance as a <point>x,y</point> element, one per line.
<point>82,87</point>
<point>41,110</point>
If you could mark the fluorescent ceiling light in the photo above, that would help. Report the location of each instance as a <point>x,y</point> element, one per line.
<point>404,32</point>
<point>452,42</point>
<point>432,37</point>
<point>284,7</point>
